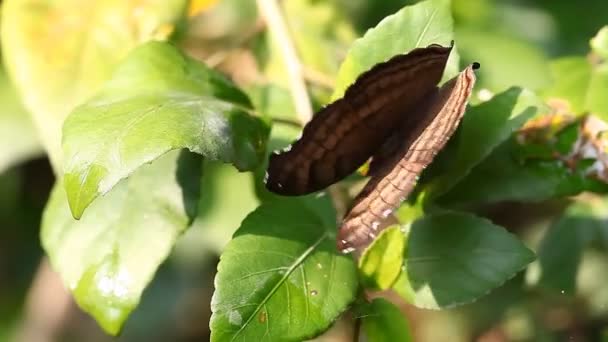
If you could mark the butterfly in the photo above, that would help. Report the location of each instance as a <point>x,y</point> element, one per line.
<point>394,114</point>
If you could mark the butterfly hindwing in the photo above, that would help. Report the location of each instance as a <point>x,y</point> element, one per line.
<point>347,132</point>
<point>394,179</point>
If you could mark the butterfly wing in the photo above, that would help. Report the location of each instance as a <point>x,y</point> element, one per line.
<point>344,134</point>
<point>394,179</point>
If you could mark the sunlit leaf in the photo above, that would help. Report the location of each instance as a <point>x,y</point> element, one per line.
<point>381,263</point>
<point>427,22</point>
<point>109,256</point>
<point>281,276</point>
<point>599,43</point>
<point>455,258</point>
<point>581,84</point>
<point>59,52</point>
<point>158,100</point>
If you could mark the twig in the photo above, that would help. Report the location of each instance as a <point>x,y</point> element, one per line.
<point>292,123</point>
<point>317,78</point>
<point>271,13</point>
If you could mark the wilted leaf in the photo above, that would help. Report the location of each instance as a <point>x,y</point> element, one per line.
<point>109,256</point>
<point>281,276</point>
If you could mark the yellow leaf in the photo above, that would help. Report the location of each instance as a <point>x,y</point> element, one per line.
<point>198,6</point>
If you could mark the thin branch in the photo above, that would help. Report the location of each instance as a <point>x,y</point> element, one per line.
<point>292,123</point>
<point>318,78</point>
<point>271,13</point>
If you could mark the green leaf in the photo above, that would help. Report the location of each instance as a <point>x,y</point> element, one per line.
<point>380,264</point>
<point>383,322</point>
<point>15,126</point>
<point>427,22</point>
<point>158,100</point>
<point>561,249</point>
<point>496,52</point>
<point>281,278</point>
<point>454,258</point>
<point>227,197</point>
<point>599,43</point>
<point>581,84</point>
<point>59,52</point>
<point>483,128</point>
<point>502,177</point>
<point>109,256</point>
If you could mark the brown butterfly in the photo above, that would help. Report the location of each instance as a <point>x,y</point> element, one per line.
<point>393,113</point>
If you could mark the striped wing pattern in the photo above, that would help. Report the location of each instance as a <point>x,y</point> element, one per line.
<point>347,132</point>
<point>395,178</point>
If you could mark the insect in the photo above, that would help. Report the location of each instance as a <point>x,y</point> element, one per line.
<point>393,113</point>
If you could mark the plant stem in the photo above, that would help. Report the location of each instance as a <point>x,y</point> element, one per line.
<point>357,330</point>
<point>292,123</point>
<point>270,11</point>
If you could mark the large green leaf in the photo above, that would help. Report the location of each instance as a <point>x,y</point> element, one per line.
<point>381,262</point>
<point>58,52</point>
<point>109,256</point>
<point>157,101</point>
<point>18,140</point>
<point>281,278</point>
<point>483,128</point>
<point>428,22</point>
<point>562,247</point>
<point>383,322</point>
<point>454,258</point>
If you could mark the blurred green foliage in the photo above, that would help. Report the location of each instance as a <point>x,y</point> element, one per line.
<point>534,54</point>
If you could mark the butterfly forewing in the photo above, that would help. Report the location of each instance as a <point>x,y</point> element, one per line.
<point>395,176</point>
<point>347,132</point>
